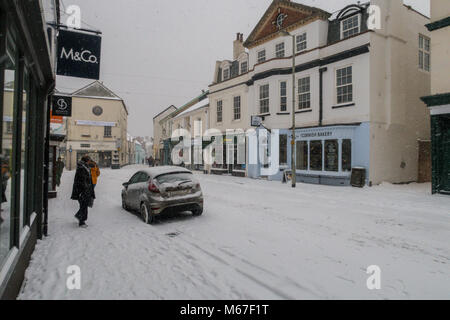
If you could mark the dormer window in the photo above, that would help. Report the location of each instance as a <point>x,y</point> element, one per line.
<point>350,26</point>
<point>226,74</point>
<point>244,67</point>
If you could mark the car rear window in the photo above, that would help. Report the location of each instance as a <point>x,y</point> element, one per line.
<point>173,177</point>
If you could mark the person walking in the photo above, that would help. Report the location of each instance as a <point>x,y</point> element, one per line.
<point>83,190</point>
<point>151,161</point>
<point>95,172</point>
<point>59,168</point>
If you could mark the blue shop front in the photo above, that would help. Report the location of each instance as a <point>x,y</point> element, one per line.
<point>323,155</point>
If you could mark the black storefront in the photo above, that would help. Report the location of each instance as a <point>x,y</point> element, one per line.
<point>27,76</point>
<point>439,106</point>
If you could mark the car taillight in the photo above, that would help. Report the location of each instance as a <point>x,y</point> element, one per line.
<point>152,187</point>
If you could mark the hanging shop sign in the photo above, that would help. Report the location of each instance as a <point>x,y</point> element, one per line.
<point>62,106</point>
<point>256,121</point>
<point>79,55</point>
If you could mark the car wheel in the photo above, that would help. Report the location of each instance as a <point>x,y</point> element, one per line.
<point>146,214</point>
<point>197,212</point>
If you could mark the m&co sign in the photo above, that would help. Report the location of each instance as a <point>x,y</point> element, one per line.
<point>79,55</point>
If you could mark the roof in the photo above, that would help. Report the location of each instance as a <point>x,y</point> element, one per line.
<point>157,171</point>
<point>172,106</point>
<point>197,106</point>
<point>201,97</point>
<point>97,90</point>
<point>295,14</point>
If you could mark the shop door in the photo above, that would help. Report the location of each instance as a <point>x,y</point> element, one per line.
<point>445,178</point>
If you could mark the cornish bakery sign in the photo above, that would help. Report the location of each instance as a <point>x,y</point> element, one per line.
<point>79,55</point>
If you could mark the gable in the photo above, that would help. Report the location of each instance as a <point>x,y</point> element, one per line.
<point>96,89</point>
<point>292,15</point>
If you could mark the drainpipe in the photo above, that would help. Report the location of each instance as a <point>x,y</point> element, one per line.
<point>321,71</point>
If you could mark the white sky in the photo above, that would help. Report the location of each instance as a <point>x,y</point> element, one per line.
<point>161,52</point>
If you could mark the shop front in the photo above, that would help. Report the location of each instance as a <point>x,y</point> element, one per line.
<point>439,106</point>
<point>27,80</point>
<point>323,155</point>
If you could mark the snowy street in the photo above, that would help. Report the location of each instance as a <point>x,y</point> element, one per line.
<point>256,240</point>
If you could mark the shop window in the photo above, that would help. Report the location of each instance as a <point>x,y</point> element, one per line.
<point>347,155</point>
<point>8,79</point>
<point>302,155</point>
<point>283,149</point>
<point>315,151</point>
<point>24,148</point>
<point>332,155</point>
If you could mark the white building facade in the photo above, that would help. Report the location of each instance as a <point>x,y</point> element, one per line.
<point>356,91</point>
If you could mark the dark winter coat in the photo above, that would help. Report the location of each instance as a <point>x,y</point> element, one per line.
<point>82,185</point>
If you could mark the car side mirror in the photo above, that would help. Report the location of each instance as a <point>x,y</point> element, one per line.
<point>126,184</point>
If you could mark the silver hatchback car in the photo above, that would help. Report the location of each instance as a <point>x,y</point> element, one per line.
<point>156,190</point>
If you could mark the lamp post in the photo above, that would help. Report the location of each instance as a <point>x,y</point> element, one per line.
<point>294,182</point>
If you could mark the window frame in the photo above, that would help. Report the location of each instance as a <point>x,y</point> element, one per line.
<point>226,74</point>
<point>424,52</point>
<point>281,96</point>
<point>344,85</point>
<point>239,107</point>
<point>280,52</point>
<point>261,99</point>
<point>246,67</point>
<point>300,43</point>
<point>219,103</point>
<point>105,132</point>
<point>303,93</point>
<point>358,27</point>
<point>261,59</point>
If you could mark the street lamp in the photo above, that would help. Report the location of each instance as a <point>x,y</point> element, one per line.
<point>285,33</point>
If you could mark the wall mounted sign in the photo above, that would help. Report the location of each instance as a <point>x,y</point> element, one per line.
<point>79,55</point>
<point>96,123</point>
<point>62,106</point>
<point>256,121</point>
<point>56,119</point>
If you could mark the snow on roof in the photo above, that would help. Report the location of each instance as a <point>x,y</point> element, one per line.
<point>198,105</point>
<point>157,171</point>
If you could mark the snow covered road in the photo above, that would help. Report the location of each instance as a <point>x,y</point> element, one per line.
<point>256,240</point>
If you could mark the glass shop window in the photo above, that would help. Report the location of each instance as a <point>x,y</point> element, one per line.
<point>347,155</point>
<point>315,150</point>
<point>302,155</point>
<point>332,155</point>
<point>7,68</point>
<point>23,147</point>
<point>283,149</point>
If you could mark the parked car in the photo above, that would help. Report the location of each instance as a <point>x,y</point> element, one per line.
<point>155,191</point>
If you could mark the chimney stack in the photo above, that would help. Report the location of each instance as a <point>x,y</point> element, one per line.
<point>238,45</point>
